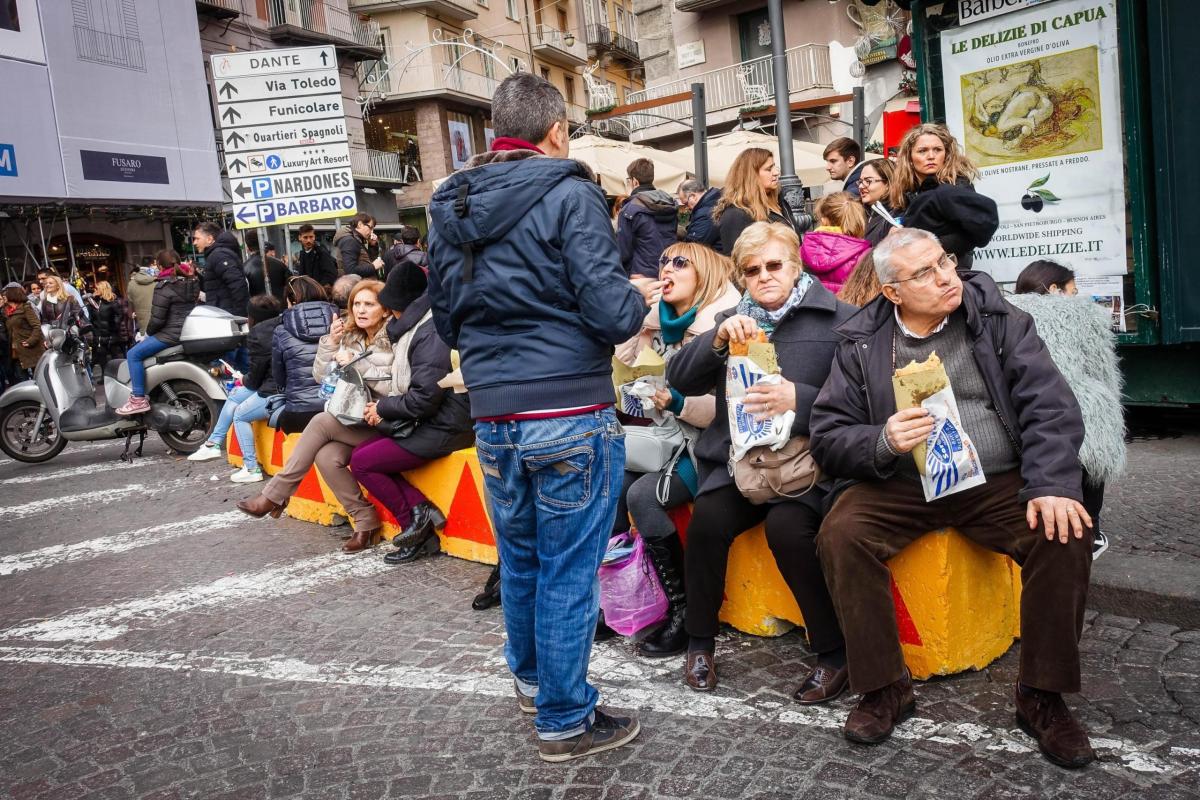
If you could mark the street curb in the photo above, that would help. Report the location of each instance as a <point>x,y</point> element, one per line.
<point>1146,587</point>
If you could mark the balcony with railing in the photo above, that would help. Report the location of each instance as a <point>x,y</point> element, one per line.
<point>323,22</point>
<point>219,9</point>
<point>458,10</point>
<point>405,76</point>
<point>377,166</point>
<point>731,88</point>
<point>603,39</point>
<point>559,48</point>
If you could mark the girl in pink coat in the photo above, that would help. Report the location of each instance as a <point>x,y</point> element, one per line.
<point>830,251</point>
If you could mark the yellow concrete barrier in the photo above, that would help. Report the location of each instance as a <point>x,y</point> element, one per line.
<point>957,604</point>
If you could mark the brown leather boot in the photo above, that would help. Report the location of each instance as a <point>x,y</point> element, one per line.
<point>361,540</point>
<point>1045,717</point>
<point>700,671</point>
<point>877,713</point>
<point>260,506</point>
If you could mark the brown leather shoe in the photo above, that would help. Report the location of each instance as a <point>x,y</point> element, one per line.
<point>361,540</point>
<point>701,671</point>
<point>1045,717</point>
<point>260,506</point>
<point>877,713</point>
<point>821,685</point>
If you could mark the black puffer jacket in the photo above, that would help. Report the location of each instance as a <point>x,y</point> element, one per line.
<point>258,342</point>
<point>224,282</point>
<point>961,218</point>
<point>293,351</point>
<point>174,299</point>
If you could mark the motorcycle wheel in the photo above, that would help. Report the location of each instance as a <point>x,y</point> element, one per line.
<point>203,409</point>
<point>20,442</point>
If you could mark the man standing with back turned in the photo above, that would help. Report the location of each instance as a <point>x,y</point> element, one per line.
<point>527,284</point>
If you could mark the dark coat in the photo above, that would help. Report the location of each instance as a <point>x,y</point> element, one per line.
<point>1034,402</point>
<point>355,256</point>
<point>24,328</point>
<point>443,417</point>
<point>526,282</point>
<point>646,226</point>
<point>804,343</point>
<point>276,271</point>
<point>317,264</point>
<point>62,314</point>
<point>961,218</point>
<point>224,282</point>
<point>735,219</point>
<point>701,229</point>
<point>404,252</point>
<point>174,299</point>
<point>877,227</point>
<point>293,351</point>
<point>851,183</point>
<point>258,342</point>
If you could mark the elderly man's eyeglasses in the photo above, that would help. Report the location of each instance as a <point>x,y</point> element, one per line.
<point>675,263</point>
<point>769,266</point>
<point>947,263</point>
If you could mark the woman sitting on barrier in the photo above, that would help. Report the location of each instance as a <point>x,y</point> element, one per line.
<point>419,421</point>
<point>798,315</point>
<point>248,402</point>
<point>327,442</point>
<point>294,349</point>
<point>695,288</point>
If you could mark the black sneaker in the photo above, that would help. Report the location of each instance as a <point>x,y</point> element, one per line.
<point>1099,544</point>
<point>607,733</point>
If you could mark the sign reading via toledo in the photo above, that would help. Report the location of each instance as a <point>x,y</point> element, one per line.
<point>283,124</point>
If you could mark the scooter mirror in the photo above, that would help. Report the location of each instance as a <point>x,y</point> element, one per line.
<point>57,337</point>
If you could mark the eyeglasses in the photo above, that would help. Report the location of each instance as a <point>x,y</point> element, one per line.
<point>769,266</point>
<point>676,263</point>
<point>868,181</point>
<point>947,263</point>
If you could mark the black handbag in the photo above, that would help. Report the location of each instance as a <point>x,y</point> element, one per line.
<point>397,428</point>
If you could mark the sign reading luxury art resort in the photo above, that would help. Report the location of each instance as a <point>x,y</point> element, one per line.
<point>1034,96</point>
<point>283,125</point>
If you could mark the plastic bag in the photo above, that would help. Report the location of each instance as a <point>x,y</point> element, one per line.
<point>745,431</point>
<point>630,592</point>
<point>951,463</point>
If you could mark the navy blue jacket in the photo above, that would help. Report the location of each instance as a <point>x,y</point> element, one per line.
<point>701,228</point>
<point>645,227</point>
<point>224,282</point>
<point>293,351</point>
<point>526,283</point>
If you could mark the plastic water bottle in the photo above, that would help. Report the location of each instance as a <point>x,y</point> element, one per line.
<point>330,381</point>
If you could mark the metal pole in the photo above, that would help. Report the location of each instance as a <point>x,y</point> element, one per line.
<point>42,238</point>
<point>790,185</point>
<point>700,133</point>
<point>70,245</point>
<point>860,121</point>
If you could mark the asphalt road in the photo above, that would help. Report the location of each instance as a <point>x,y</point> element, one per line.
<point>155,644</point>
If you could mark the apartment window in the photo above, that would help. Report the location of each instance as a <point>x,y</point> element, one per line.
<point>453,52</point>
<point>372,71</point>
<point>569,88</point>
<point>489,66</point>
<point>510,9</point>
<point>514,64</point>
<point>604,13</point>
<point>546,73</point>
<point>481,3</point>
<point>621,21</point>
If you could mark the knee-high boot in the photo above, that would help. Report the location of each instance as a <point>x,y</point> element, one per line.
<point>671,639</point>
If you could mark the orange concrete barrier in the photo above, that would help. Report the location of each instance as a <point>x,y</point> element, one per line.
<point>957,604</point>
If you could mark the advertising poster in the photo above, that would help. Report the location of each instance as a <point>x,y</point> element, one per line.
<point>460,143</point>
<point>21,31</point>
<point>1034,96</point>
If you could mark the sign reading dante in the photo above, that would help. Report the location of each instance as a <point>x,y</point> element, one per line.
<point>1034,96</point>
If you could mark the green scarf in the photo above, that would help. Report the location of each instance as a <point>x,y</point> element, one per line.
<point>673,327</point>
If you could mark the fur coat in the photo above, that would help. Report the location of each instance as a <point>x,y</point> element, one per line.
<point>1079,336</point>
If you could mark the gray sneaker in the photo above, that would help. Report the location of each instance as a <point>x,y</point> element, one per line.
<point>607,733</point>
<point>526,703</point>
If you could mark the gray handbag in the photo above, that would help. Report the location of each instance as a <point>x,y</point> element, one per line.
<point>653,448</point>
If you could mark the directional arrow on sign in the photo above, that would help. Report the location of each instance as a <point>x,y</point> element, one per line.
<point>228,89</point>
<point>242,190</point>
<point>235,137</point>
<point>231,114</point>
<point>325,58</point>
<point>243,216</point>
<point>237,164</point>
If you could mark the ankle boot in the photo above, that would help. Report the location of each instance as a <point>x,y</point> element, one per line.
<point>490,596</point>
<point>361,540</point>
<point>260,506</point>
<point>671,639</point>
<point>425,518</point>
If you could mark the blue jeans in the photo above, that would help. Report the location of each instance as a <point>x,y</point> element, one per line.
<point>553,487</point>
<point>137,370</point>
<point>242,407</point>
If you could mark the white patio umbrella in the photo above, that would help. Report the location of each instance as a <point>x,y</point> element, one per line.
<point>722,150</point>
<point>609,158</point>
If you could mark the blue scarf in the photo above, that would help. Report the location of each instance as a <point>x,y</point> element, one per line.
<point>767,320</point>
<point>674,327</point>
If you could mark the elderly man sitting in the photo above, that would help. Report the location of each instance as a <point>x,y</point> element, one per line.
<point>1026,427</point>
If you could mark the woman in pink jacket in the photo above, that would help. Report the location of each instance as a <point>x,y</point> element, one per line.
<point>831,250</point>
<point>695,288</point>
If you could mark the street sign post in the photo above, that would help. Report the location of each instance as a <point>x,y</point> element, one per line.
<point>283,127</point>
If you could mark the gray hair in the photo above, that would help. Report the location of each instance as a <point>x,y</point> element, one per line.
<point>692,186</point>
<point>526,106</point>
<point>342,288</point>
<point>898,239</point>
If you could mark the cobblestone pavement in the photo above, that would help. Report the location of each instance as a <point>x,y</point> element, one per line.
<point>154,644</point>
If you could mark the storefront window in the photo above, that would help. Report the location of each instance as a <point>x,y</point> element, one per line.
<point>396,132</point>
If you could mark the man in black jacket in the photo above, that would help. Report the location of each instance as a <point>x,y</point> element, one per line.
<point>405,250</point>
<point>1026,427</point>
<point>224,283</point>
<point>646,224</point>
<point>271,279</point>
<point>700,201</point>
<point>313,260</point>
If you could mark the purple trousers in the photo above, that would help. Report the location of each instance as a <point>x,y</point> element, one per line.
<point>378,465</point>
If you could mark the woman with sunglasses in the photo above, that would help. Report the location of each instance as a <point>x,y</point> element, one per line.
<point>799,316</point>
<point>751,194</point>
<point>874,187</point>
<point>695,289</point>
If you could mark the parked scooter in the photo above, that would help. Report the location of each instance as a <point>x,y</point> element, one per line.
<point>39,417</point>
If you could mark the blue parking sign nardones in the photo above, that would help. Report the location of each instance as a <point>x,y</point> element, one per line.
<point>8,161</point>
<point>262,188</point>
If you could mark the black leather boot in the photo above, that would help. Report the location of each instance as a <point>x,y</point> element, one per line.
<point>671,639</point>
<point>425,518</point>
<point>490,596</point>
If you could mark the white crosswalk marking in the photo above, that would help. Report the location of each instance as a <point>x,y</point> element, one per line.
<point>117,543</point>
<point>13,513</point>
<point>81,471</point>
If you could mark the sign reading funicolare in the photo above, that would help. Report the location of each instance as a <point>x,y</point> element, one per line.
<point>283,125</point>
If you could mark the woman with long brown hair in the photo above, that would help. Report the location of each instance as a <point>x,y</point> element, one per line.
<point>875,181</point>
<point>751,194</point>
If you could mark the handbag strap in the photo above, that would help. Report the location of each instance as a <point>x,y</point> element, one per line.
<point>662,489</point>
